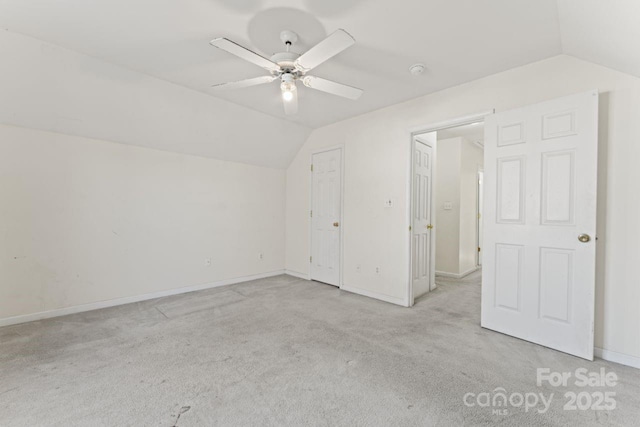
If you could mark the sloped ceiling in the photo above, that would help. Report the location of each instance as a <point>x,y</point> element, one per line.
<point>602,32</point>
<point>170,40</point>
<point>457,40</point>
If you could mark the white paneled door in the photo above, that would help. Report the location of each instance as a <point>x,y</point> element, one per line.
<point>325,216</point>
<point>538,277</point>
<point>421,224</point>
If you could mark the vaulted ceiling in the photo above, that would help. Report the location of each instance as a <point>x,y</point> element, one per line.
<point>603,32</point>
<point>457,40</point>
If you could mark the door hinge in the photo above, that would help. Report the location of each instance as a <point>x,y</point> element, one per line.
<point>410,228</point>
<point>310,259</point>
<point>478,249</point>
<point>311,167</point>
<point>311,214</point>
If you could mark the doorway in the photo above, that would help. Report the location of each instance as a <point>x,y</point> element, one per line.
<point>538,221</point>
<point>445,225</point>
<point>326,216</point>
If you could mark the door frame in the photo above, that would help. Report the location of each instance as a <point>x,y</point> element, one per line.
<point>413,134</point>
<point>341,220</point>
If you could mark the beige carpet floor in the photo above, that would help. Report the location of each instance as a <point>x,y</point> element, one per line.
<point>283,351</point>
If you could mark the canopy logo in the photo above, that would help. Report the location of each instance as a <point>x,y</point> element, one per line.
<point>588,396</point>
<point>499,401</point>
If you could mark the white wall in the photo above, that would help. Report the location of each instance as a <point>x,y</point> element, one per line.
<point>85,220</point>
<point>89,220</point>
<point>377,155</point>
<point>47,87</point>
<point>447,189</point>
<point>457,163</point>
<point>471,159</point>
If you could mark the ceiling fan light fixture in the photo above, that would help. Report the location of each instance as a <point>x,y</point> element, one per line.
<point>287,95</point>
<point>288,87</point>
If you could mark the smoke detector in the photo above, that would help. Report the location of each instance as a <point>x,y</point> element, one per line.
<point>417,69</point>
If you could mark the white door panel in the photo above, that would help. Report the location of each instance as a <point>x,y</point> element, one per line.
<point>421,234</point>
<point>325,216</point>
<point>540,181</point>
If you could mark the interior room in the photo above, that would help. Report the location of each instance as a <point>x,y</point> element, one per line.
<point>265,212</point>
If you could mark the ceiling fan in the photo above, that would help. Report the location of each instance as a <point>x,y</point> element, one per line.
<point>290,67</point>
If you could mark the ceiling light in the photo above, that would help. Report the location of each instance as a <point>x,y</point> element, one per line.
<point>287,95</point>
<point>288,87</point>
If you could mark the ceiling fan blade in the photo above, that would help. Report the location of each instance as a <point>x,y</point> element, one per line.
<point>331,87</point>
<point>244,83</point>
<point>244,53</point>
<point>291,106</point>
<point>327,48</point>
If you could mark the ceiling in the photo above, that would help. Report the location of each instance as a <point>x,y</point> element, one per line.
<point>458,41</point>
<point>170,40</point>
<point>473,133</point>
<point>603,32</point>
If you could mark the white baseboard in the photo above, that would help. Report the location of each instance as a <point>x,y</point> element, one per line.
<point>456,275</point>
<point>127,300</point>
<point>376,295</point>
<point>304,276</point>
<point>447,274</point>
<point>621,358</point>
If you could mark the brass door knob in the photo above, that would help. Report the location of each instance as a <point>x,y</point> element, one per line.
<point>429,227</point>
<point>584,238</point>
<point>336,224</point>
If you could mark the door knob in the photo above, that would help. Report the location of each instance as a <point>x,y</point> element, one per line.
<point>336,224</point>
<point>429,227</point>
<point>584,238</point>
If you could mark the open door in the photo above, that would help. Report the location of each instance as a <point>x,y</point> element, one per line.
<point>538,280</point>
<point>422,232</point>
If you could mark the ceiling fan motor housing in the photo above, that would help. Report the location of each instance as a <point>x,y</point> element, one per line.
<point>287,78</point>
<point>285,60</point>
